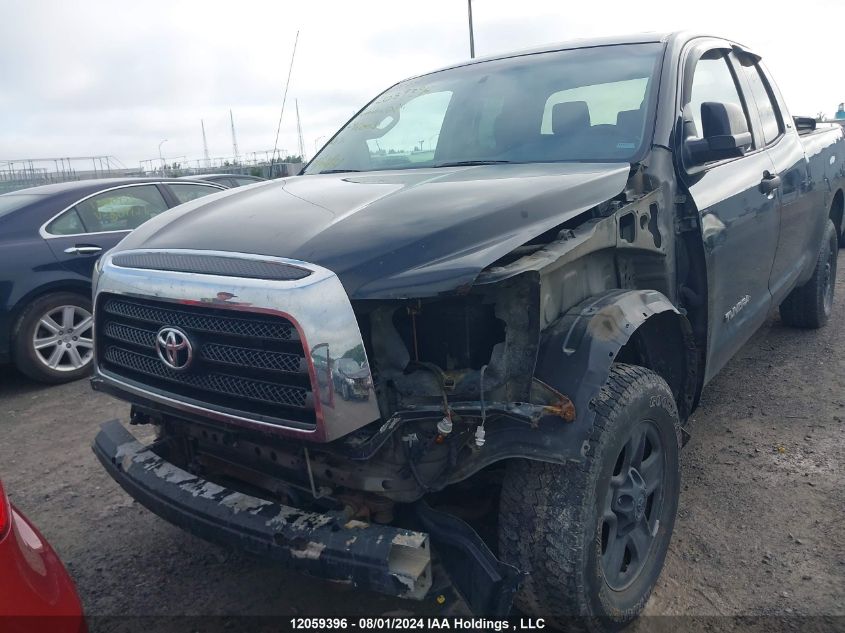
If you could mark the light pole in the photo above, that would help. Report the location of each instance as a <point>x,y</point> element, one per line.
<point>471,36</point>
<point>161,158</point>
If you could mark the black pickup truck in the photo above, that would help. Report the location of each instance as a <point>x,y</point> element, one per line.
<point>525,269</point>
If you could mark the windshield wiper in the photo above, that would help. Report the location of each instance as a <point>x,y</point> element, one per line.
<point>470,163</point>
<point>337,171</point>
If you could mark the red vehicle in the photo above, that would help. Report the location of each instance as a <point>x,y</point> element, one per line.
<point>36,593</point>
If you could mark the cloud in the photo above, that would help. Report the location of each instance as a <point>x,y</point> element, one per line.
<point>102,77</point>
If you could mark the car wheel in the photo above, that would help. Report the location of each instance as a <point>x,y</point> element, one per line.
<point>53,338</point>
<point>809,306</point>
<point>593,535</point>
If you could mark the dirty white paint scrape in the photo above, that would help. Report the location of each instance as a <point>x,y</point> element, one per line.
<point>239,502</point>
<point>311,551</point>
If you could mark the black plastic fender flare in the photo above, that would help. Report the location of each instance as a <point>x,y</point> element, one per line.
<point>577,351</point>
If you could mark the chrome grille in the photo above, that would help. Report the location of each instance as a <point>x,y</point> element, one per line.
<point>247,363</point>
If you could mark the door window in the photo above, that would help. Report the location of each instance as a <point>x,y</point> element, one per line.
<point>712,80</point>
<point>769,113</point>
<point>68,223</point>
<point>121,209</point>
<point>191,191</point>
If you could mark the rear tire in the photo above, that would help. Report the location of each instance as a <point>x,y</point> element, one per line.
<point>52,339</point>
<point>593,535</point>
<point>809,306</point>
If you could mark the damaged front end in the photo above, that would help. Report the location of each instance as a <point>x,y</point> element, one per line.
<point>396,402</point>
<point>309,425</point>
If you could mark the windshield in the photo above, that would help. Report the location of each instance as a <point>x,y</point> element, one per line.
<point>13,201</point>
<point>585,104</point>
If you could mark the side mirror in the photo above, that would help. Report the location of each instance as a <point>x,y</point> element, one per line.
<point>804,123</point>
<point>725,133</point>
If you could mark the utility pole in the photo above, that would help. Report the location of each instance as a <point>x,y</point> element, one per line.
<point>234,138</point>
<point>204,144</point>
<point>471,36</point>
<point>299,132</point>
<point>161,158</point>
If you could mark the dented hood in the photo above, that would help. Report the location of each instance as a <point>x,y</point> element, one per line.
<point>394,234</point>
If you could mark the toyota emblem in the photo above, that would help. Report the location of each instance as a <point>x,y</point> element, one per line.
<point>174,348</point>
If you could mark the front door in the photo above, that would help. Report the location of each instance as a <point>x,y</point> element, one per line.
<point>739,218</point>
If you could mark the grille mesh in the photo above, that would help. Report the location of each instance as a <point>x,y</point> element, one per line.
<point>129,334</point>
<point>207,323</point>
<point>221,383</point>
<point>246,357</point>
<point>213,352</point>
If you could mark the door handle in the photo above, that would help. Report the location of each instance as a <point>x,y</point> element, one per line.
<point>81,249</point>
<point>769,183</point>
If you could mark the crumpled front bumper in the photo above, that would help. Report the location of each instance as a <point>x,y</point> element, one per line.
<point>380,558</point>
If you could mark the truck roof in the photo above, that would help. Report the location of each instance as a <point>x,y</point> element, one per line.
<point>613,40</point>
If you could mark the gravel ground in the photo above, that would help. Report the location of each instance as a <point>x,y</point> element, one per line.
<point>760,537</point>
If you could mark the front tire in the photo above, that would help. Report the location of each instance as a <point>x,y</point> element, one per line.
<point>53,338</point>
<point>809,306</point>
<point>593,535</point>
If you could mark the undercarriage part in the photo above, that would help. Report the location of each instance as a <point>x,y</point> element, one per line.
<point>486,584</point>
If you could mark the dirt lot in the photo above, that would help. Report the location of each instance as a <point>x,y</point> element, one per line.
<point>761,530</point>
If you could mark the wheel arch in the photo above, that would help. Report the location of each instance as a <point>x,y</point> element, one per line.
<point>639,327</point>
<point>65,285</point>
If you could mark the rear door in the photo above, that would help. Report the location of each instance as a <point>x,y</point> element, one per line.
<point>799,205</point>
<point>96,223</point>
<point>739,219</point>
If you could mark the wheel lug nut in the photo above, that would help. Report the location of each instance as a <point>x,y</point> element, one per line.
<point>68,345</point>
<point>74,338</point>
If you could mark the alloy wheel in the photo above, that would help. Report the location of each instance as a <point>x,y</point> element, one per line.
<point>63,338</point>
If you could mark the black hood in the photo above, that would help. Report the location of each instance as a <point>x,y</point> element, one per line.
<point>396,234</point>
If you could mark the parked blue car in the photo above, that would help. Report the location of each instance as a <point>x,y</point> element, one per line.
<point>50,238</point>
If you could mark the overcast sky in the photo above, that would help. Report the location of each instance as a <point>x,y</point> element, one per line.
<point>115,78</point>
